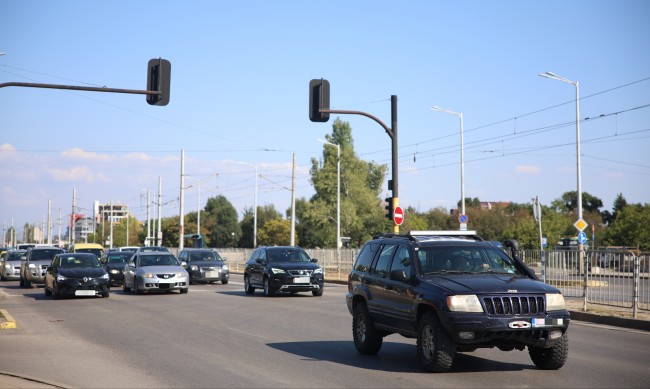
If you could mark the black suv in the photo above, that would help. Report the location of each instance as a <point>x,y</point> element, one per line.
<point>282,269</point>
<point>452,291</point>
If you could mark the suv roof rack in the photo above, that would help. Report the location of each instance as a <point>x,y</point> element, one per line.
<point>443,233</point>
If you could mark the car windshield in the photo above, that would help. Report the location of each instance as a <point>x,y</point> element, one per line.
<point>204,256</point>
<point>76,261</point>
<point>97,252</point>
<point>15,255</point>
<point>287,255</point>
<point>465,259</point>
<point>158,260</point>
<point>118,258</point>
<point>44,254</point>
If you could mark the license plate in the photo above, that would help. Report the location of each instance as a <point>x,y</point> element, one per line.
<point>301,280</point>
<point>84,292</point>
<point>212,274</point>
<point>542,322</point>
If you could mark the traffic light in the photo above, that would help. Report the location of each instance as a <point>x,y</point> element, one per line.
<point>158,79</point>
<point>319,98</point>
<point>389,208</point>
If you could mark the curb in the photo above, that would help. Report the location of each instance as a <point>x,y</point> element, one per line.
<point>8,322</point>
<point>614,321</point>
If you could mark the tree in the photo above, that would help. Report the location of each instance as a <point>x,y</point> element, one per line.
<point>589,202</point>
<point>276,232</point>
<point>631,227</point>
<point>221,226</point>
<point>264,214</point>
<point>619,204</point>
<point>362,213</point>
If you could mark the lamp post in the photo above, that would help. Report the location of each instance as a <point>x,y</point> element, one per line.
<point>462,156</point>
<point>338,196</point>
<point>255,210</point>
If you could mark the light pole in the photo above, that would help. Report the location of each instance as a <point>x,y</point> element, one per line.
<point>255,210</point>
<point>462,156</point>
<point>338,196</point>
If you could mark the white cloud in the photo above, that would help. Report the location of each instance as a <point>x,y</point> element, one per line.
<point>7,151</point>
<point>77,174</point>
<point>527,169</point>
<point>77,153</point>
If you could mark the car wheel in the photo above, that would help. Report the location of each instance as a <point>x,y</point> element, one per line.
<point>247,286</point>
<point>318,292</point>
<point>124,287</point>
<point>2,277</point>
<point>551,358</point>
<point>55,290</point>
<point>184,290</point>
<point>367,339</point>
<point>224,282</point>
<point>22,283</point>
<point>47,291</point>
<point>435,350</point>
<point>27,284</point>
<point>136,288</point>
<point>268,290</point>
<point>106,294</point>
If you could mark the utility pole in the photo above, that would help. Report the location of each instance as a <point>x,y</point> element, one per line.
<point>148,238</point>
<point>181,234</point>
<point>74,199</point>
<point>159,234</point>
<point>293,202</point>
<point>49,221</point>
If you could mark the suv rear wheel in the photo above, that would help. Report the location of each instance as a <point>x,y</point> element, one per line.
<point>435,350</point>
<point>367,339</point>
<point>551,358</point>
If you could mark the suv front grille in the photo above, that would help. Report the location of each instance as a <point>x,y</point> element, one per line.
<point>514,305</point>
<point>300,272</point>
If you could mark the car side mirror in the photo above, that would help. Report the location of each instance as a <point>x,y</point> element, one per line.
<point>314,260</point>
<point>399,275</point>
<point>49,268</point>
<point>184,264</point>
<point>261,261</point>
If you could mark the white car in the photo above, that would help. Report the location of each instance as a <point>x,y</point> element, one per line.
<point>156,271</point>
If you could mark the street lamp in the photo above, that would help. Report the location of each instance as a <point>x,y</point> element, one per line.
<point>255,210</point>
<point>462,156</point>
<point>338,195</point>
<point>554,76</point>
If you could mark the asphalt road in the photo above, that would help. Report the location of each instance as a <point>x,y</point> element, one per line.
<point>216,336</point>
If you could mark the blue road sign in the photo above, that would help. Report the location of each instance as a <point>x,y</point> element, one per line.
<point>582,237</point>
<point>463,218</point>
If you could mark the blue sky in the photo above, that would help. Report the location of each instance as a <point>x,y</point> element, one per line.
<point>239,93</point>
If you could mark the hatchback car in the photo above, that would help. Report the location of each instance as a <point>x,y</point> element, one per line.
<point>283,269</point>
<point>155,271</point>
<point>10,264</point>
<point>114,263</point>
<point>76,274</point>
<point>204,265</point>
<point>34,265</point>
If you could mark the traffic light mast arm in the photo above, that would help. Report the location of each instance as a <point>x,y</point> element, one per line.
<point>82,88</point>
<point>342,111</point>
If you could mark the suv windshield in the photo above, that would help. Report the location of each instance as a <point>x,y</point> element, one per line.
<point>205,256</point>
<point>287,255</point>
<point>463,259</point>
<point>74,261</point>
<point>44,254</point>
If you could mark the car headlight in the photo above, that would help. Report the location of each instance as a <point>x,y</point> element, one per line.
<point>61,278</point>
<point>554,302</point>
<point>149,275</point>
<point>275,270</point>
<point>194,268</point>
<point>318,271</point>
<point>7,266</point>
<point>224,267</point>
<point>115,271</point>
<point>464,303</point>
<point>32,266</point>
<point>104,277</point>
<point>181,274</point>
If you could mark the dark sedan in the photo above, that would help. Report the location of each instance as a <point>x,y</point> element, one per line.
<point>205,265</point>
<point>114,263</point>
<point>76,274</point>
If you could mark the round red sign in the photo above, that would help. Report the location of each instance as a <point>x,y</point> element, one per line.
<point>398,216</point>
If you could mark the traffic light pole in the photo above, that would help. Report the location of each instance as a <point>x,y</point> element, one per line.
<point>392,133</point>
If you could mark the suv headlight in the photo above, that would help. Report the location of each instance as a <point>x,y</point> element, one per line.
<point>318,271</point>
<point>464,303</point>
<point>104,277</point>
<point>60,278</point>
<point>555,302</point>
<point>194,268</point>
<point>275,270</point>
<point>224,267</point>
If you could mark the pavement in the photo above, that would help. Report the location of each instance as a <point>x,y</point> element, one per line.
<point>595,313</point>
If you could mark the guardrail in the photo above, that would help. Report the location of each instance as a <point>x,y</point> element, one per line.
<point>615,278</point>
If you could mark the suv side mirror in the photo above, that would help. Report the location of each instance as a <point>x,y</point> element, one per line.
<point>314,260</point>
<point>261,261</point>
<point>399,275</point>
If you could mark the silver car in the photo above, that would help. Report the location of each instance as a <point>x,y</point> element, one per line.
<point>154,271</point>
<point>10,264</point>
<point>33,265</point>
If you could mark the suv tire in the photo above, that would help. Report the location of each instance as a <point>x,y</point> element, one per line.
<point>268,289</point>
<point>247,285</point>
<point>435,350</point>
<point>551,358</point>
<point>367,339</point>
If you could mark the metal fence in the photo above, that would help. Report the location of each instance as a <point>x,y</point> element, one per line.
<point>615,278</point>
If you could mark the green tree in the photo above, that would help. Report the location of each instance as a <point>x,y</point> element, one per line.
<point>619,204</point>
<point>276,232</point>
<point>631,227</point>
<point>264,214</point>
<point>221,226</point>
<point>362,213</point>
<point>569,202</point>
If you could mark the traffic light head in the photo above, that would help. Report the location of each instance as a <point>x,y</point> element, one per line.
<point>158,80</point>
<point>319,98</point>
<point>389,208</point>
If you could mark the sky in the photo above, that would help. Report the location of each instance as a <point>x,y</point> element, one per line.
<point>239,100</point>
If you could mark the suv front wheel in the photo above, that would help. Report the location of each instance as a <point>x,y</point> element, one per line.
<point>551,358</point>
<point>435,350</point>
<point>367,339</point>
